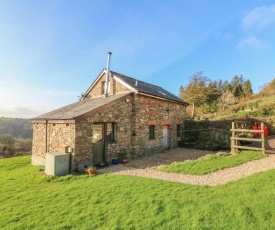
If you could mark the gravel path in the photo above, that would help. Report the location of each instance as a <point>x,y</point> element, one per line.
<point>140,167</point>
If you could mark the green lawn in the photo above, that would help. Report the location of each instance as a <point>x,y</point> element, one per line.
<point>211,163</point>
<point>31,201</point>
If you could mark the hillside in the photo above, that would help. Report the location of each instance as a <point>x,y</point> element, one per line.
<point>15,137</point>
<point>17,127</point>
<point>257,106</point>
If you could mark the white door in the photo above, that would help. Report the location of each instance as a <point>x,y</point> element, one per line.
<point>166,143</point>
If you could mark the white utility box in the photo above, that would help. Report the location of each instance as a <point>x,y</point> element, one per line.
<point>57,164</point>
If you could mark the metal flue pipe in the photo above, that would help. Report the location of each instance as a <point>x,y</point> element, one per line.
<point>108,74</point>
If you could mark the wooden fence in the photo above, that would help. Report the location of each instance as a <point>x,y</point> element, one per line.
<point>236,138</point>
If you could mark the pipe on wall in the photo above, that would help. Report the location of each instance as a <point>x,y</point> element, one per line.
<point>108,74</point>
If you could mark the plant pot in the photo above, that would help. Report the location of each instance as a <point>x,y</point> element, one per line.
<point>91,171</point>
<point>114,161</point>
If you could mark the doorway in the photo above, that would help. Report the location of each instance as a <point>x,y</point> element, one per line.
<point>98,143</point>
<point>166,141</point>
<point>103,133</point>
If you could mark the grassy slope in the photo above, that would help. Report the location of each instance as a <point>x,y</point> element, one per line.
<point>31,201</point>
<point>263,102</point>
<point>211,163</point>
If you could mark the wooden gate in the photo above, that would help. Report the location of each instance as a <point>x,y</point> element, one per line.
<point>236,138</point>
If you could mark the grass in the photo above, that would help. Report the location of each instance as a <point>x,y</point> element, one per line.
<point>211,163</point>
<point>32,201</point>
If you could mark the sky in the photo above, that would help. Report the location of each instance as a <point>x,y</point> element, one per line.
<point>52,51</point>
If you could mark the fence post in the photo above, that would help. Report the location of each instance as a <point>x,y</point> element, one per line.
<point>232,140</point>
<point>262,137</point>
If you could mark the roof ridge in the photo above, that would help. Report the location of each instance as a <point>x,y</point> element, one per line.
<point>135,79</point>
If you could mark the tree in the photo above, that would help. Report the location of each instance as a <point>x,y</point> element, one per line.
<point>237,91</point>
<point>247,89</point>
<point>7,140</point>
<point>200,92</point>
<point>227,87</point>
<point>220,86</point>
<point>213,93</point>
<point>235,81</point>
<point>195,92</point>
<point>227,99</point>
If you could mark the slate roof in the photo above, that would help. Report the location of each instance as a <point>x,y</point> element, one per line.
<point>79,108</point>
<point>147,88</point>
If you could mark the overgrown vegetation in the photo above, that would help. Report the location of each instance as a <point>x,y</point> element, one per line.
<point>223,100</point>
<point>17,127</point>
<point>33,201</point>
<point>211,163</point>
<point>15,137</point>
<point>10,146</point>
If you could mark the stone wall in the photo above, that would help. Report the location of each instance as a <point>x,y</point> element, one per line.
<point>51,138</point>
<point>114,87</point>
<point>149,110</point>
<point>60,135</point>
<point>83,142</point>
<point>211,135</point>
<point>132,115</point>
<point>39,144</point>
<point>121,114</point>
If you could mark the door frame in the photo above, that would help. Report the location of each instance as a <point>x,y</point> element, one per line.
<point>166,142</point>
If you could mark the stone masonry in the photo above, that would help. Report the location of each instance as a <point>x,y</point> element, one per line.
<point>132,114</point>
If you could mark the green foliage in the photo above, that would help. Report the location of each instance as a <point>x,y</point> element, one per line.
<point>247,89</point>
<point>199,91</point>
<point>33,201</point>
<point>272,83</point>
<point>237,91</point>
<point>10,146</point>
<point>227,87</point>
<point>211,163</point>
<point>16,127</point>
<point>7,140</point>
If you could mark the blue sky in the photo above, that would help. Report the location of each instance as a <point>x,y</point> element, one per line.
<point>51,51</point>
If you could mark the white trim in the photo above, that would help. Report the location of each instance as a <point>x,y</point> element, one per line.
<point>94,83</point>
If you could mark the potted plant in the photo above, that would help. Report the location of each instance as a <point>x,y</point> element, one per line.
<point>123,157</point>
<point>114,161</point>
<point>91,170</point>
<point>124,161</point>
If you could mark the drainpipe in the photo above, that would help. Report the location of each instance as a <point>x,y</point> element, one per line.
<point>108,74</point>
<point>46,139</point>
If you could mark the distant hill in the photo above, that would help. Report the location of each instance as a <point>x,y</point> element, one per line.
<point>17,127</point>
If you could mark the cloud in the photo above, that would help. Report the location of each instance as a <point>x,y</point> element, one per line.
<point>259,18</point>
<point>26,102</point>
<point>251,42</point>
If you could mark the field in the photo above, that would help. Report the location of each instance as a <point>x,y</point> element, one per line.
<point>30,200</point>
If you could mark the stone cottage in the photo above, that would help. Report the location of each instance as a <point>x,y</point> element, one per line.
<point>116,114</point>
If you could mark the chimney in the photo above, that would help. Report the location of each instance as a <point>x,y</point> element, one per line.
<point>107,74</point>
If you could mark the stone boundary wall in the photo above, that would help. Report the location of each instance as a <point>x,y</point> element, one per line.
<point>211,135</point>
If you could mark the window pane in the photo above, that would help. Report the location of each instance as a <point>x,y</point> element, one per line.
<point>97,133</point>
<point>110,132</point>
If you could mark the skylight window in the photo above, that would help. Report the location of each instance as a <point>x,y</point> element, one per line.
<point>164,94</point>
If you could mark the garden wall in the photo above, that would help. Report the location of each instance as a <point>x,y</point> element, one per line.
<point>211,135</point>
